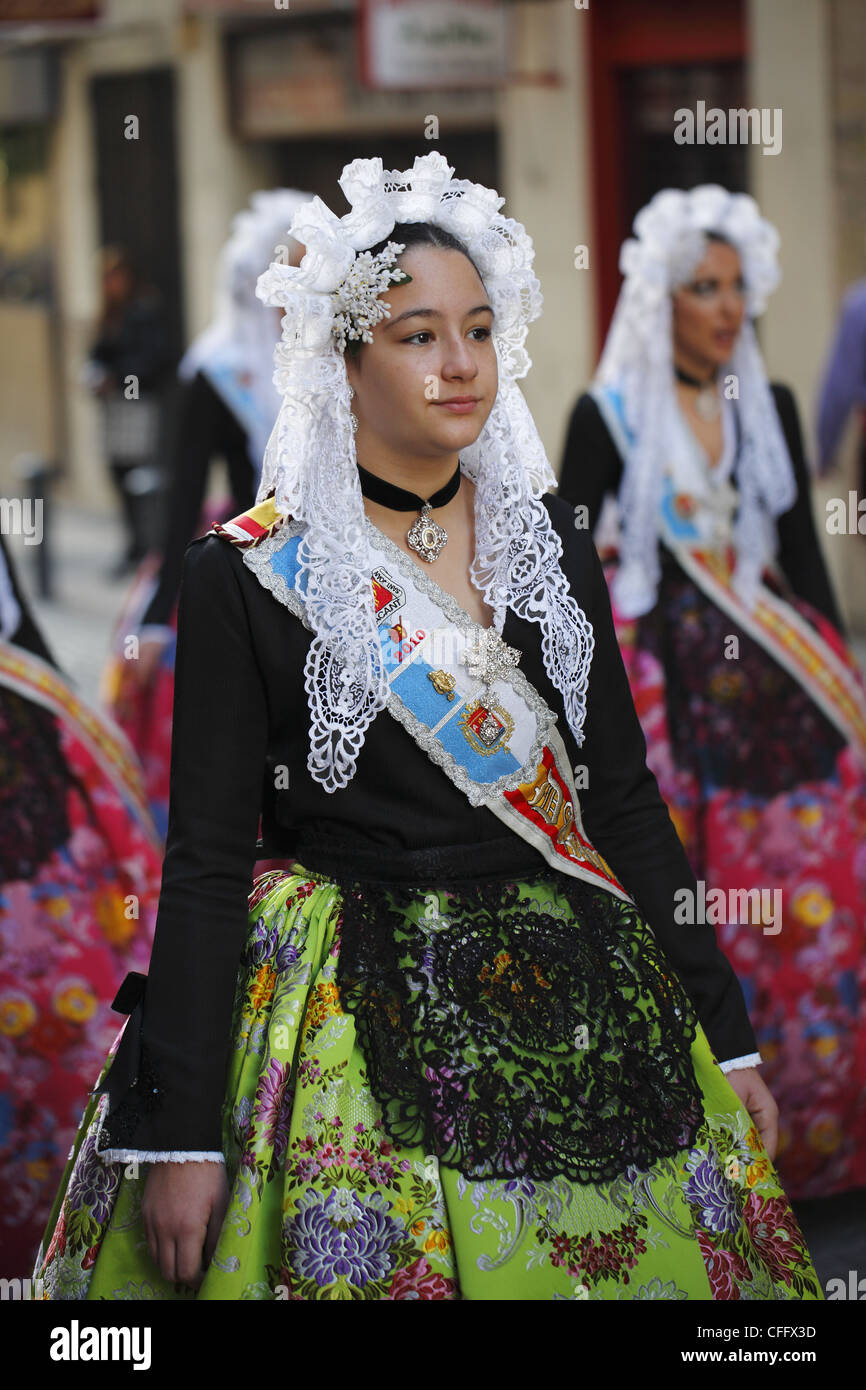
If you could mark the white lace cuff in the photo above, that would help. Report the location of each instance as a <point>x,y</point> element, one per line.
<point>163,1156</point>
<point>753,1059</point>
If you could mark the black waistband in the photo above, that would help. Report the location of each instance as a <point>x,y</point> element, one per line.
<point>342,859</point>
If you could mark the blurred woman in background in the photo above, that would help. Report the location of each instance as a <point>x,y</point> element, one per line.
<point>751,703</point>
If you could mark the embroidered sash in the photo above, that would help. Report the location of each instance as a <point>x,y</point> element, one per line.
<point>502,750</point>
<point>30,676</point>
<point>692,523</point>
<point>835,686</point>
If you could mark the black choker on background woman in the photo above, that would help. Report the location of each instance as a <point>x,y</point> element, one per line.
<point>707,402</point>
<point>425,536</point>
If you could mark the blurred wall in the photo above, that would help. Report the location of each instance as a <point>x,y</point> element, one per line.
<point>545,160</point>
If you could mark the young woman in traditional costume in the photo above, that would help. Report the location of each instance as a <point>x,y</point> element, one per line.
<point>227,408</point>
<point>752,704</point>
<point>79,883</point>
<point>461,1050</point>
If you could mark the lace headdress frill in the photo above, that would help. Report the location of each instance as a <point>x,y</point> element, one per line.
<point>310,464</point>
<point>670,241</point>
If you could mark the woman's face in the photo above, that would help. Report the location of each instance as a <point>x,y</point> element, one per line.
<point>116,283</point>
<point>708,311</point>
<point>427,382</point>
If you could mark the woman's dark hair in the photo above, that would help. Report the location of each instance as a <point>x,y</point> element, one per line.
<point>410,234</point>
<point>424,234</point>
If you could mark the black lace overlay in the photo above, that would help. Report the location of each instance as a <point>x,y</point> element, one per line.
<point>140,1102</point>
<point>135,1089</point>
<point>519,1028</point>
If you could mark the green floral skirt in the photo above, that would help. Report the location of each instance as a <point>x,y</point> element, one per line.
<point>331,1200</point>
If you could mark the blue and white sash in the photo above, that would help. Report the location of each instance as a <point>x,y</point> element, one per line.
<point>499,744</point>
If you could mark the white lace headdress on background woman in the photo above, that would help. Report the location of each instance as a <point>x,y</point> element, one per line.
<point>670,241</point>
<point>311,465</point>
<point>243,332</point>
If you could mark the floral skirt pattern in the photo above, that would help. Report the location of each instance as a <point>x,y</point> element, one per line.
<point>325,1205</point>
<point>74,918</point>
<point>766,794</point>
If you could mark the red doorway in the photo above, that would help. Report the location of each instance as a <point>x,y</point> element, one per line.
<point>645,62</point>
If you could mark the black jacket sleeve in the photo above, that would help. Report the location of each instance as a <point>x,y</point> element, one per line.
<point>167,1081</point>
<point>591,465</point>
<point>205,428</point>
<point>629,824</point>
<point>800,555</point>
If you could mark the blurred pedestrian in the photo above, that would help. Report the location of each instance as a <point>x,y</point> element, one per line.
<point>127,365</point>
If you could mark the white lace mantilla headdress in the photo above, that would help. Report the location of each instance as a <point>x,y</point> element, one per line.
<point>311,465</point>
<point>243,332</point>
<point>669,242</point>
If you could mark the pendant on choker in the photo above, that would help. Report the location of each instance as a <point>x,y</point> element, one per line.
<point>707,403</point>
<point>426,536</point>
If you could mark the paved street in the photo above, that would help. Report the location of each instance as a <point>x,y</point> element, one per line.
<point>77,624</point>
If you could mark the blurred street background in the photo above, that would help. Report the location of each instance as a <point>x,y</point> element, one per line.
<point>147,124</point>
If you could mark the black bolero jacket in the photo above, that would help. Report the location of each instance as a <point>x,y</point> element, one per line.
<point>240,710</point>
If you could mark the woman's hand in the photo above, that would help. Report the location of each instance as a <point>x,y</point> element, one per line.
<point>760,1105</point>
<point>182,1210</point>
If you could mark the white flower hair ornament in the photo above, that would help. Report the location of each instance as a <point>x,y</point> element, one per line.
<point>358,307</point>
<point>331,302</point>
<point>670,241</point>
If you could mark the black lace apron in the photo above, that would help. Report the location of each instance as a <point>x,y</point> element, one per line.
<point>504,1035</point>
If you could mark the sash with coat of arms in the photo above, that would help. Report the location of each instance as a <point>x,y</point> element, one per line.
<point>457,689</point>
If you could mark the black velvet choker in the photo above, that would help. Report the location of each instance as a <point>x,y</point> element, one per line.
<point>426,537</point>
<point>400,499</point>
<point>693,380</point>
